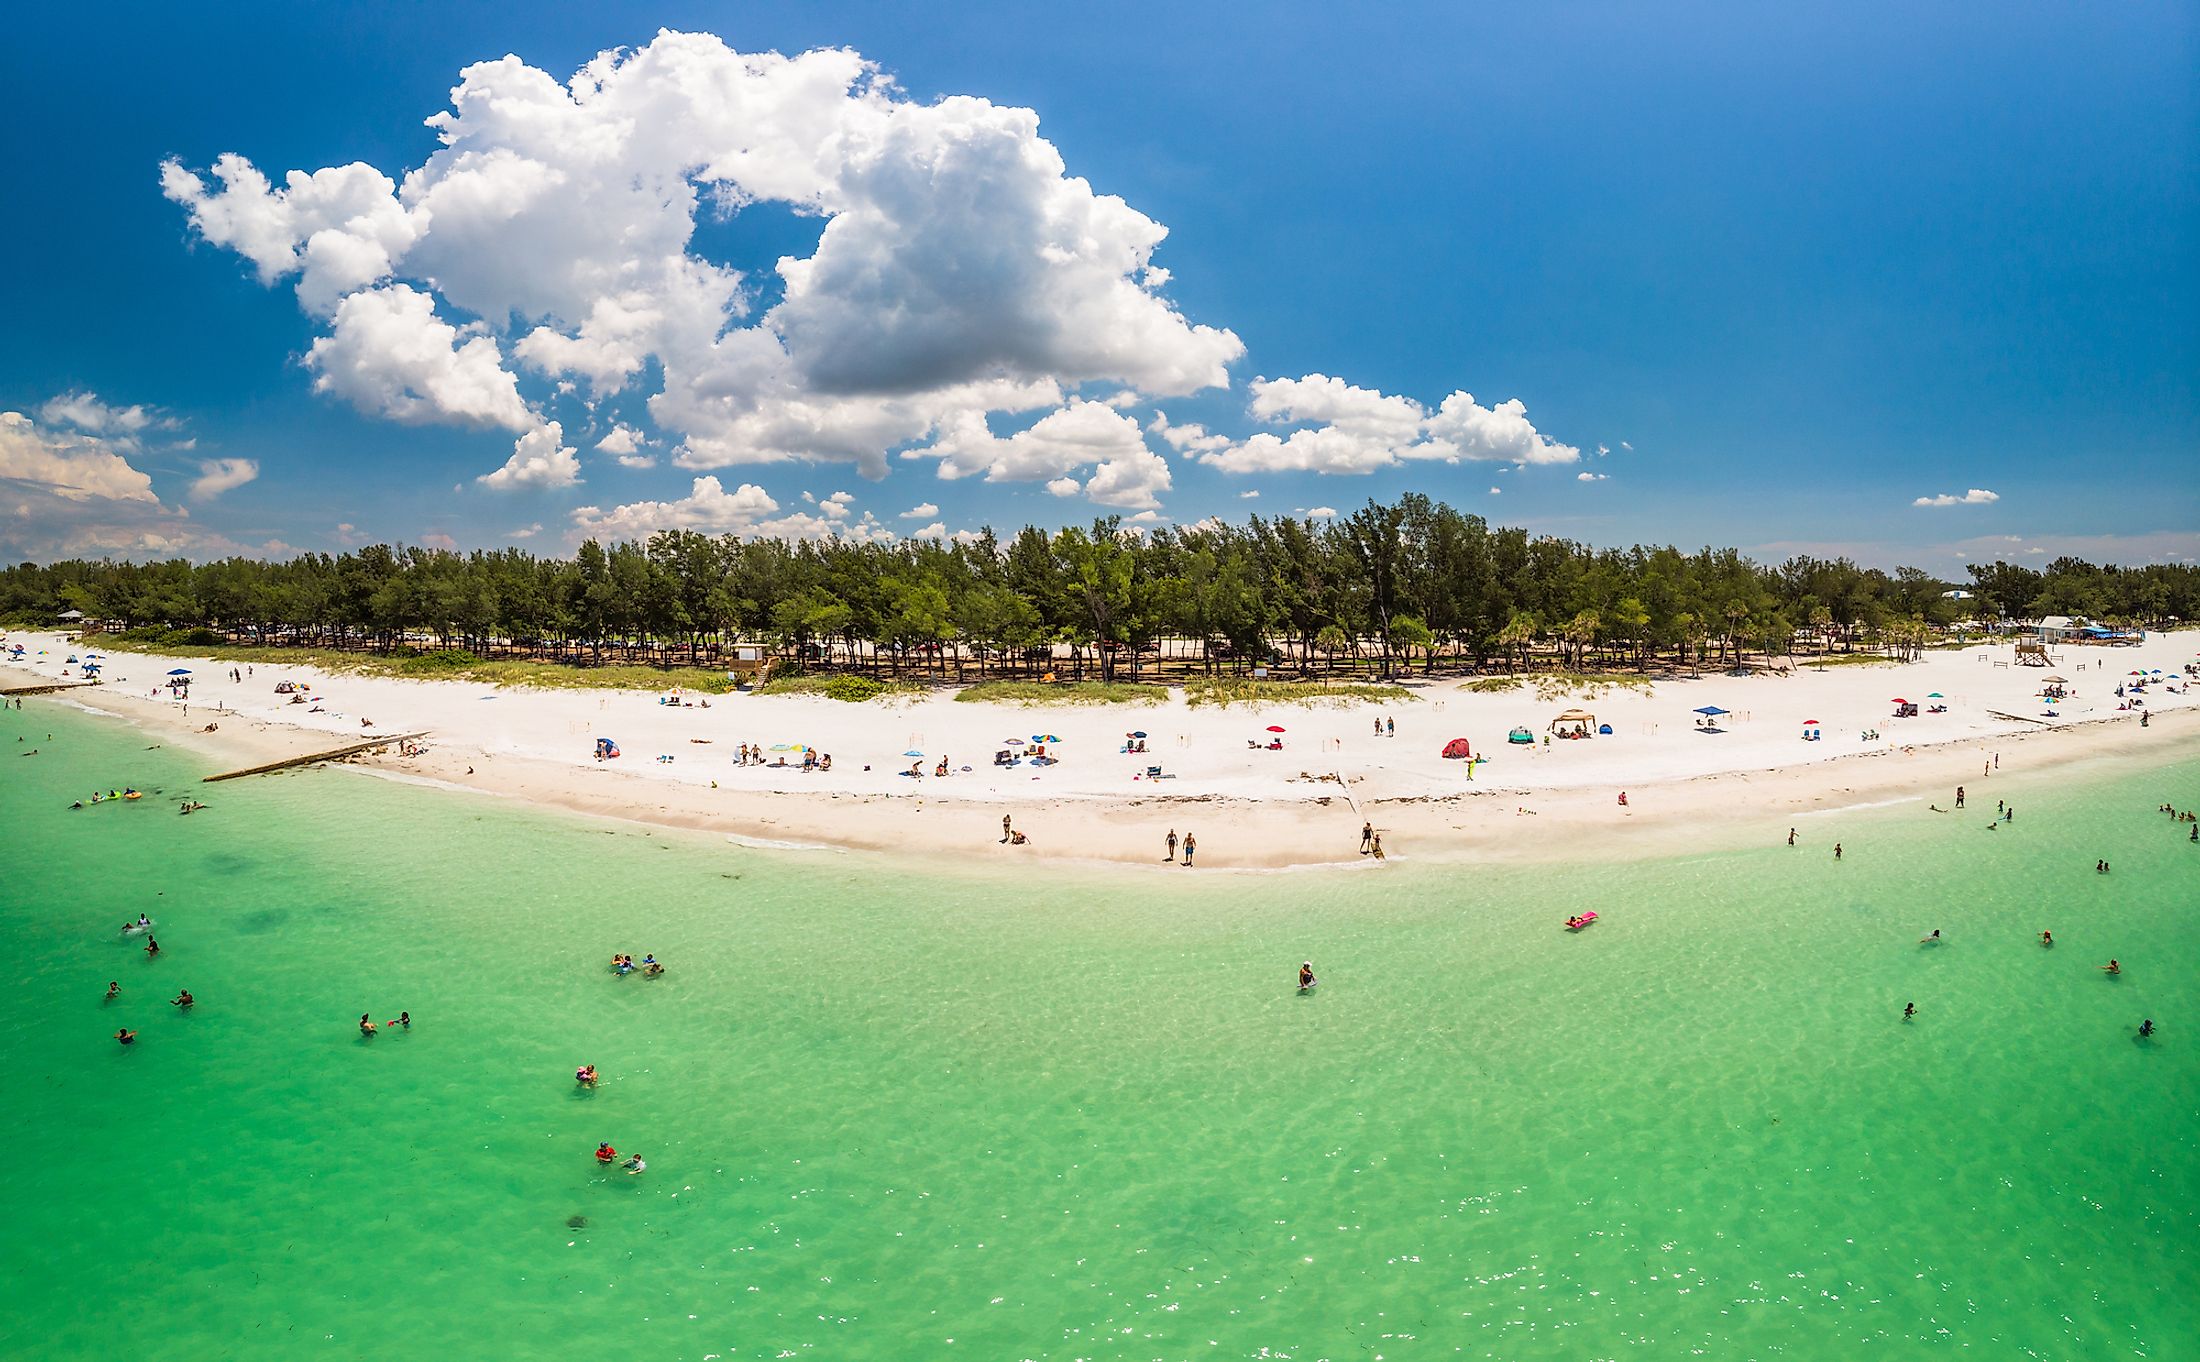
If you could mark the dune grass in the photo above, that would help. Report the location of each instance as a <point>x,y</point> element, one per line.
<point>848,688</point>
<point>454,664</point>
<point>1061,693</point>
<point>1243,691</point>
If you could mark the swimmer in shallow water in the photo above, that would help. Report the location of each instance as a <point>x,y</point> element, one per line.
<point>1932,940</point>
<point>1306,976</point>
<point>2146,1028</point>
<point>585,1075</point>
<point>635,1165</point>
<point>1909,1010</point>
<point>126,1036</point>
<point>605,1154</point>
<point>2112,967</point>
<point>183,999</point>
<point>366,1025</point>
<point>2047,938</point>
<point>114,990</point>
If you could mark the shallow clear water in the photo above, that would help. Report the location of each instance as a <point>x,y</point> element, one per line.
<point>890,1115</point>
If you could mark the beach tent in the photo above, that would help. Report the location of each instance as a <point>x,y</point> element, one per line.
<point>1574,723</point>
<point>1520,735</point>
<point>1457,750</point>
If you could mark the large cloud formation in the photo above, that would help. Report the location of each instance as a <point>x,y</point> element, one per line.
<point>961,271</point>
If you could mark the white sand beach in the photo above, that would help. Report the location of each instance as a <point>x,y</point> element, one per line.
<point>1250,806</point>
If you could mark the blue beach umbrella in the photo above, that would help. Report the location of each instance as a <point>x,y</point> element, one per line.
<point>181,671</point>
<point>912,754</point>
<point>1711,709</point>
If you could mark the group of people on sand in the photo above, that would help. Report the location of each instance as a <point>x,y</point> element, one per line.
<point>403,1021</point>
<point>750,754</point>
<point>1191,847</point>
<point>623,965</point>
<point>1009,835</point>
<point>1371,841</point>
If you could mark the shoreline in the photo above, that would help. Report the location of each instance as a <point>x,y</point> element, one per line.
<point>1556,806</point>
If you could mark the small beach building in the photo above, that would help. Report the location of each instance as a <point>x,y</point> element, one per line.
<point>2059,628</point>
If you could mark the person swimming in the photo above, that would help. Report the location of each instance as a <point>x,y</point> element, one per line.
<point>634,1165</point>
<point>152,948</point>
<point>1932,940</point>
<point>605,1154</point>
<point>2112,967</point>
<point>585,1075</point>
<point>114,990</point>
<point>650,968</point>
<point>126,1036</point>
<point>1306,976</point>
<point>404,1019</point>
<point>2047,938</point>
<point>1909,1010</point>
<point>2146,1028</point>
<point>366,1024</point>
<point>182,999</point>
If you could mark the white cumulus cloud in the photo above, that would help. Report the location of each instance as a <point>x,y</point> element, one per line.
<point>1977,496</point>
<point>217,476</point>
<point>1342,428</point>
<point>559,216</point>
<point>1061,444</point>
<point>923,510</point>
<point>540,458</point>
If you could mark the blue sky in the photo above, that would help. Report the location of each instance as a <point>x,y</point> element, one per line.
<point>1795,270</point>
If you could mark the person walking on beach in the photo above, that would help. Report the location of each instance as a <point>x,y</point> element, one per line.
<point>1005,829</point>
<point>1377,848</point>
<point>1959,796</point>
<point>1837,851</point>
<point>1390,727</point>
<point>1172,846</point>
<point>1367,838</point>
<point>1189,846</point>
<point>1791,837</point>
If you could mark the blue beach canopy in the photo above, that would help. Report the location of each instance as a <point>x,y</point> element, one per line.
<point>1711,709</point>
<point>181,671</point>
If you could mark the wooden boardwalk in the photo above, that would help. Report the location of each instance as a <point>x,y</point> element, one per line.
<point>332,754</point>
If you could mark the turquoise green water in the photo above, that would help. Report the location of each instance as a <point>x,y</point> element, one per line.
<point>895,1116</point>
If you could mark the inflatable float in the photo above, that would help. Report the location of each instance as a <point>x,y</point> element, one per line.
<point>1575,924</point>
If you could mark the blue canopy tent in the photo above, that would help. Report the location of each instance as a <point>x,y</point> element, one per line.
<point>1709,722</point>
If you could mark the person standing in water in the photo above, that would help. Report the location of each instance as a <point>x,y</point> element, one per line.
<point>1959,796</point>
<point>366,1025</point>
<point>1909,1010</point>
<point>183,999</point>
<point>1306,976</point>
<point>1837,851</point>
<point>2047,938</point>
<point>152,948</point>
<point>1791,837</point>
<point>2146,1028</point>
<point>126,1036</point>
<point>1172,846</point>
<point>114,990</point>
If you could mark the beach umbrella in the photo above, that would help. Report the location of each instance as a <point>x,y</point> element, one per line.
<point>1934,695</point>
<point>788,747</point>
<point>181,671</point>
<point>1048,738</point>
<point>906,754</point>
<point>1139,734</point>
<point>1810,723</point>
<point>1275,728</point>
<point>1709,709</point>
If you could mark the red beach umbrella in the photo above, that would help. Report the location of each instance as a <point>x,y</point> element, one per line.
<point>1275,728</point>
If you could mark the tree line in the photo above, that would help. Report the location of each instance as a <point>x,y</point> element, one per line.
<point>1409,583</point>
